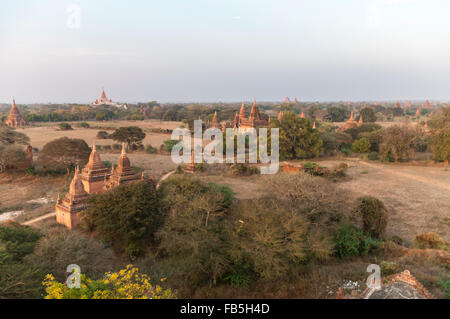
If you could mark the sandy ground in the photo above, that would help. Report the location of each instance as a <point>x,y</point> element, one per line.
<point>41,135</point>
<point>418,198</point>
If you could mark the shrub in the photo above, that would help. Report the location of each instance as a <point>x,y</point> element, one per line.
<point>350,241</point>
<point>243,169</point>
<point>429,240</point>
<point>372,156</point>
<point>374,216</point>
<point>127,216</point>
<point>397,240</point>
<point>84,124</point>
<point>103,135</point>
<point>361,146</point>
<point>346,149</point>
<point>11,156</point>
<point>116,147</point>
<point>65,126</point>
<point>347,241</point>
<point>169,144</point>
<point>150,149</point>
<point>445,286</point>
<point>11,136</point>
<point>388,268</point>
<point>60,248</point>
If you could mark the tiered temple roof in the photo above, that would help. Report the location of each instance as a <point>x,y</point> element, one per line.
<point>94,173</point>
<point>123,174</point>
<point>68,209</point>
<point>14,118</point>
<point>253,121</point>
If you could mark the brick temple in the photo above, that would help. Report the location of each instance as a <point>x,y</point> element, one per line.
<point>94,178</point>
<point>14,118</point>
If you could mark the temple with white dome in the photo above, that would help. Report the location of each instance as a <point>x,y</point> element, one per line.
<point>103,100</point>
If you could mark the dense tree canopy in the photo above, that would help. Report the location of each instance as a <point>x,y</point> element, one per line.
<point>337,114</point>
<point>440,135</point>
<point>132,135</point>
<point>63,153</point>
<point>127,216</point>
<point>368,115</point>
<point>297,137</point>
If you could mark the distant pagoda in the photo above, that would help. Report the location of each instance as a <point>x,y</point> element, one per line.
<point>215,122</point>
<point>94,173</point>
<point>103,100</point>
<point>191,167</point>
<point>69,208</point>
<point>360,122</point>
<point>351,123</point>
<point>14,118</point>
<point>253,121</point>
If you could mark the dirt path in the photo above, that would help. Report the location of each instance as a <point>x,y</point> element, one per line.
<point>32,221</point>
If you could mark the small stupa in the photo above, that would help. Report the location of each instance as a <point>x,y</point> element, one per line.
<point>68,209</point>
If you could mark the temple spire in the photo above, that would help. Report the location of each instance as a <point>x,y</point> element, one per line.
<point>242,114</point>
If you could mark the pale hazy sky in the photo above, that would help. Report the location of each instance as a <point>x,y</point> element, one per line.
<point>224,50</point>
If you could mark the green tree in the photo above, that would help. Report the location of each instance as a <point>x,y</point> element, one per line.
<point>297,137</point>
<point>440,135</point>
<point>361,146</point>
<point>368,115</point>
<point>127,216</point>
<point>398,143</point>
<point>194,237</point>
<point>63,153</point>
<point>132,135</point>
<point>18,279</point>
<point>337,114</point>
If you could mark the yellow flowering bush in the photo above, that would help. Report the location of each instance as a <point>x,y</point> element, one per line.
<point>128,283</point>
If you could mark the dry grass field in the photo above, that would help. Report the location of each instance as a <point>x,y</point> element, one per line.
<point>44,133</point>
